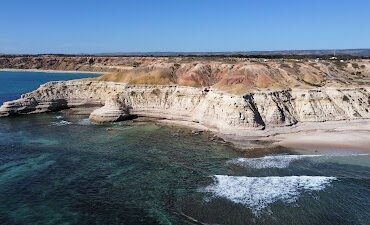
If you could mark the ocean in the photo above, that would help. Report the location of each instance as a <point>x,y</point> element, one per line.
<point>57,168</point>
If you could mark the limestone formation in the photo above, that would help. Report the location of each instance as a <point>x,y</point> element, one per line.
<point>112,111</point>
<point>214,109</point>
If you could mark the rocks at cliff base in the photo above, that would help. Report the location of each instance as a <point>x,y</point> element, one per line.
<point>29,105</point>
<point>112,111</point>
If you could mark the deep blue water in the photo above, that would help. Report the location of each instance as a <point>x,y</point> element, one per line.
<point>57,168</point>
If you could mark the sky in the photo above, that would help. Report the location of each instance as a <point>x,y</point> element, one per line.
<point>109,26</point>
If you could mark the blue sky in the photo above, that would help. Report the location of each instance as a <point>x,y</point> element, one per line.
<point>96,26</point>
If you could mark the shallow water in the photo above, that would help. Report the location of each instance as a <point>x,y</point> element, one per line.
<point>59,169</point>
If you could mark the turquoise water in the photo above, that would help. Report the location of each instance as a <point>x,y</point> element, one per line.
<point>60,169</point>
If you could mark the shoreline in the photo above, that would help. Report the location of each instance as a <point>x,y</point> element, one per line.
<point>51,71</point>
<point>326,138</point>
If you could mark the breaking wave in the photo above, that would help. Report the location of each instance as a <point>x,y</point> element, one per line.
<point>258,193</point>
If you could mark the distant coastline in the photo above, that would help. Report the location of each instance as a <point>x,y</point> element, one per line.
<point>275,54</point>
<point>49,71</point>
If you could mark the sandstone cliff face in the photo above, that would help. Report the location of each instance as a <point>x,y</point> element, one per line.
<point>212,108</point>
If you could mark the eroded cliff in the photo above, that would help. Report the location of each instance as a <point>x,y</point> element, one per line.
<point>212,108</point>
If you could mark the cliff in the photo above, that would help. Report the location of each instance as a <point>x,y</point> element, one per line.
<point>212,108</point>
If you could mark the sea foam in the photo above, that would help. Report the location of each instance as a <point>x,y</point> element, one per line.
<point>281,161</point>
<point>277,161</point>
<point>258,193</point>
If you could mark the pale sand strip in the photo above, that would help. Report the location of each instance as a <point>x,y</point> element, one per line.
<point>309,138</point>
<point>328,142</point>
<point>329,137</point>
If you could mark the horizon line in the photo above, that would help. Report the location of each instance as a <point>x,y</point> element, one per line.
<point>194,52</point>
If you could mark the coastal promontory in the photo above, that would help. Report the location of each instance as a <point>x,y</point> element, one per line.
<point>228,95</point>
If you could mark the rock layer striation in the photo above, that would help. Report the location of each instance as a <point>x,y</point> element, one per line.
<point>212,108</point>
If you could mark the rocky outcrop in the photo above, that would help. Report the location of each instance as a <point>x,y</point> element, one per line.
<point>212,108</point>
<point>112,111</point>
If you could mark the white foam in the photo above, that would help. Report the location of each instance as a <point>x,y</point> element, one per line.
<point>61,123</point>
<point>58,117</point>
<point>259,192</point>
<point>278,161</point>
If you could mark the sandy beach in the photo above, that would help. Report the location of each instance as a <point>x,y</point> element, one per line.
<point>325,142</point>
<point>335,137</point>
<point>331,137</point>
